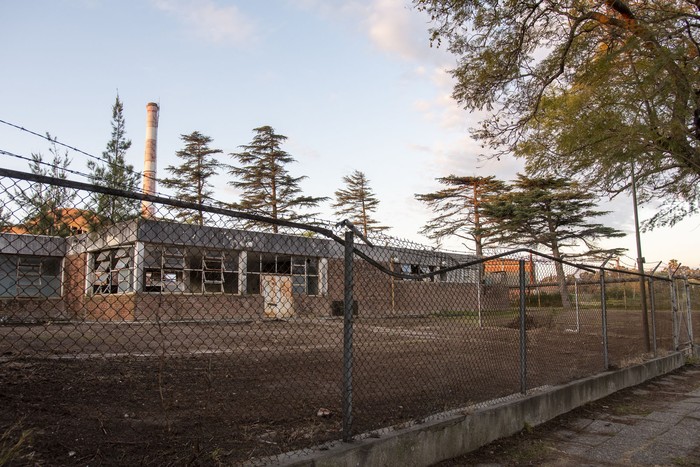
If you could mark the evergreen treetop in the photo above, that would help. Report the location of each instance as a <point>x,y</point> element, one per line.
<point>113,172</point>
<point>458,211</point>
<point>266,185</point>
<point>191,179</point>
<point>357,202</point>
<point>49,208</point>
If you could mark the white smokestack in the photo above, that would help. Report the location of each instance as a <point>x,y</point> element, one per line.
<point>149,158</point>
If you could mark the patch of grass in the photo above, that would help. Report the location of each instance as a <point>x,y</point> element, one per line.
<point>692,360</point>
<point>528,452</point>
<point>456,314</point>
<point>629,409</point>
<point>683,461</point>
<point>631,361</point>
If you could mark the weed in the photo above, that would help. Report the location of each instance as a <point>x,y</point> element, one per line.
<point>12,442</point>
<point>692,360</point>
<point>528,453</point>
<point>683,461</point>
<point>629,409</point>
<point>455,314</point>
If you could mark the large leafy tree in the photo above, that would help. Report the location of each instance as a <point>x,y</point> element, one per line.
<point>458,212</point>
<point>191,180</point>
<point>113,172</point>
<point>358,202</point>
<point>49,209</point>
<point>585,86</point>
<point>266,185</point>
<point>551,213</point>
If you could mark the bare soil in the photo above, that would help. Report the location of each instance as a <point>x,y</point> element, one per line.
<point>230,393</point>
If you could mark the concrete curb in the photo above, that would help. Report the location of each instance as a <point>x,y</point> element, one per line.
<point>456,435</point>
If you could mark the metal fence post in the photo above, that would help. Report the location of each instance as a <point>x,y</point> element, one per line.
<point>578,320</point>
<point>523,334</point>
<point>689,321</point>
<point>652,299</point>
<point>347,336</point>
<point>604,311</point>
<point>674,313</point>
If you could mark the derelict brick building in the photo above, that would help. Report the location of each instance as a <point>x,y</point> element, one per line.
<point>146,269</point>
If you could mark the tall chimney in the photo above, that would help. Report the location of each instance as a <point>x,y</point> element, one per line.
<point>149,158</point>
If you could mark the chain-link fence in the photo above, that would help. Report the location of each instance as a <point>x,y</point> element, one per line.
<point>170,333</point>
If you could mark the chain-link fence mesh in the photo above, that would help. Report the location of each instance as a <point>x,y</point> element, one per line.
<point>167,333</point>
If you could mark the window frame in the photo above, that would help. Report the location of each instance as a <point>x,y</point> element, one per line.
<point>304,271</point>
<point>116,266</point>
<point>39,276</point>
<point>192,270</point>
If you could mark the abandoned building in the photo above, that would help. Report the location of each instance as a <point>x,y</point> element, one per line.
<point>146,269</point>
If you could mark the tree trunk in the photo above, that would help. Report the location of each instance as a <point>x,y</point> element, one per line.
<point>561,278</point>
<point>478,241</point>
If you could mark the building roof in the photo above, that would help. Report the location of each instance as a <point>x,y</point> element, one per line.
<point>77,221</point>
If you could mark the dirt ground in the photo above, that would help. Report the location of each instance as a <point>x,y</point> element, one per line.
<point>229,393</point>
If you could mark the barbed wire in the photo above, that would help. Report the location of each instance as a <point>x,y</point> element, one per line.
<point>88,177</point>
<point>42,162</point>
<point>54,140</point>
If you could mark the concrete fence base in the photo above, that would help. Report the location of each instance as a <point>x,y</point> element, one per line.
<point>455,435</point>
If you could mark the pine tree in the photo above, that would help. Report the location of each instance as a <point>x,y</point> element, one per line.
<point>458,209</point>
<point>553,213</point>
<point>113,172</point>
<point>357,202</point>
<point>268,188</point>
<point>47,205</point>
<point>191,178</point>
<point>4,215</point>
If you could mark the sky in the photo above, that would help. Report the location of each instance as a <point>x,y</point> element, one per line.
<point>353,84</point>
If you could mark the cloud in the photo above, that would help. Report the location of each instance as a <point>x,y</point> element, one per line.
<point>441,108</point>
<point>461,156</point>
<point>396,27</point>
<point>336,10</point>
<point>393,26</point>
<point>210,21</point>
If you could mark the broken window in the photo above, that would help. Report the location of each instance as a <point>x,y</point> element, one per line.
<point>112,271</point>
<point>191,270</point>
<point>417,269</point>
<point>213,271</point>
<point>303,270</point>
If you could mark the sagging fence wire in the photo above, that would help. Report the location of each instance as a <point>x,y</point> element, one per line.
<point>154,341</point>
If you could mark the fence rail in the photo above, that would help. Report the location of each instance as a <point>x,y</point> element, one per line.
<point>134,337</point>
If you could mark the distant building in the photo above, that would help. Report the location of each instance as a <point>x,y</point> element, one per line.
<point>506,271</point>
<point>68,221</point>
